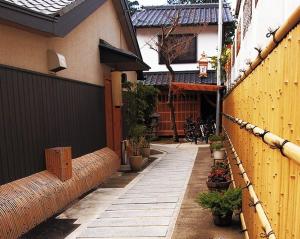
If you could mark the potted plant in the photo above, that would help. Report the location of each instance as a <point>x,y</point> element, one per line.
<point>135,157</point>
<point>216,138</point>
<point>221,204</point>
<point>218,179</point>
<point>145,147</point>
<point>217,150</point>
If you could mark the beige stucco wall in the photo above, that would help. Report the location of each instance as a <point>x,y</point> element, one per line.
<point>28,50</point>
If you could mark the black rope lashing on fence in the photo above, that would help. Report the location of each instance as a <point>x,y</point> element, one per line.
<point>263,135</point>
<point>252,129</point>
<point>244,125</point>
<point>239,163</point>
<point>259,53</point>
<point>252,204</point>
<point>280,147</point>
<point>243,230</point>
<point>247,185</point>
<point>242,173</point>
<point>272,33</point>
<point>266,235</point>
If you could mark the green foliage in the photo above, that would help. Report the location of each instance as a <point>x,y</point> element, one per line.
<point>191,1</point>
<point>216,146</point>
<point>221,203</point>
<point>137,131</point>
<point>133,6</point>
<point>221,165</point>
<point>139,105</point>
<point>229,30</point>
<point>225,56</point>
<point>216,137</point>
<point>147,96</point>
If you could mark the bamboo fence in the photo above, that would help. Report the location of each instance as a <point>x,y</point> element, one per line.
<point>268,96</point>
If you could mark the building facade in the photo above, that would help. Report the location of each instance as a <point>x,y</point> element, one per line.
<point>200,22</point>
<point>59,61</point>
<point>253,25</point>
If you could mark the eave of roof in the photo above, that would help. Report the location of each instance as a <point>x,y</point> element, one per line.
<point>62,22</point>
<point>120,59</point>
<point>162,79</point>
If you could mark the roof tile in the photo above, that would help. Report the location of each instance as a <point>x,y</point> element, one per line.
<point>161,78</point>
<point>48,7</point>
<point>192,14</point>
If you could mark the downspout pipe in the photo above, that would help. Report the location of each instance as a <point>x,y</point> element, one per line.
<point>220,32</point>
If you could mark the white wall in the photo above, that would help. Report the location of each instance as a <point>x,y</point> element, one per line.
<point>267,13</point>
<point>207,40</point>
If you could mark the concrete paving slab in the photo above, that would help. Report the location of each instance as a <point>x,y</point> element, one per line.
<point>148,231</point>
<point>138,213</point>
<point>146,200</point>
<point>117,207</point>
<point>130,222</point>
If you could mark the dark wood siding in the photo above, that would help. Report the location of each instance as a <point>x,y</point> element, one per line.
<point>40,111</point>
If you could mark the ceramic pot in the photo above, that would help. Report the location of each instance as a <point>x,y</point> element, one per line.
<point>136,162</point>
<point>219,154</point>
<point>217,186</point>
<point>222,221</point>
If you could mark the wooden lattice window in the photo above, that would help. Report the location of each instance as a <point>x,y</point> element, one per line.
<point>190,54</point>
<point>247,15</point>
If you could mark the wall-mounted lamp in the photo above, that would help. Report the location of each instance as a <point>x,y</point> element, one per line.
<point>56,62</point>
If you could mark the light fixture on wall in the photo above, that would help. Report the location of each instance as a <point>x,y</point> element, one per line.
<point>203,65</point>
<point>56,62</point>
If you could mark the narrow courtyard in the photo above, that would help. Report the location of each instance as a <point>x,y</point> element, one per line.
<point>158,202</point>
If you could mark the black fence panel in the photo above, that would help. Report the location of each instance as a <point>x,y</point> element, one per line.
<point>39,111</point>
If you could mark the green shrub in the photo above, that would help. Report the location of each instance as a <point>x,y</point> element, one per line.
<point>213,138</point>
<point>221,203</point>
<point>216,146</point>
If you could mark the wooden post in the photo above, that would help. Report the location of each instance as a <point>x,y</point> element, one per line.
<point>59,162</point>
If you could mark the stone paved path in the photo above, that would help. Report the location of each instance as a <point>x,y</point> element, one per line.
<point>148,208</point>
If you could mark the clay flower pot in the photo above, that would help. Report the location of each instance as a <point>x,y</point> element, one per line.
<point>222,221</point>
<point>136,162</point>
<point>217,186</point>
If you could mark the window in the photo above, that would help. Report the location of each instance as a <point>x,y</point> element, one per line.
<point>186,52</point>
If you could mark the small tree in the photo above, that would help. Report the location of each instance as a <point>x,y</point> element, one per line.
<point>169,48</point>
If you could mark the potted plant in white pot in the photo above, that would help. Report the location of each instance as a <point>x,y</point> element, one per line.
<point>221,204</point>
<point>218,151</point>
<point>216,138</point>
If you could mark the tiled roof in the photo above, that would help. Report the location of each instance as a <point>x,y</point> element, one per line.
<point>193,14</point>
<point>161,78</point>
<point>48,7</point>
